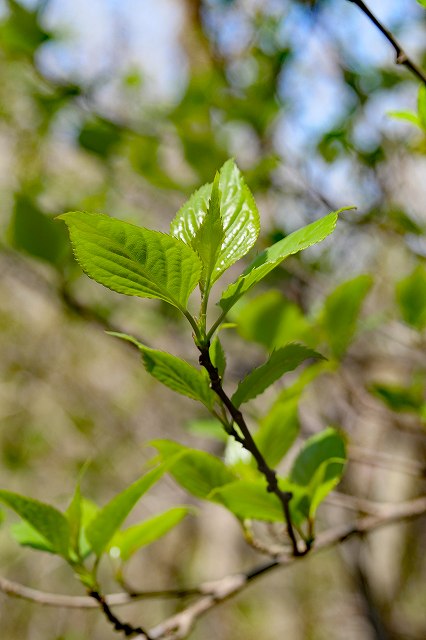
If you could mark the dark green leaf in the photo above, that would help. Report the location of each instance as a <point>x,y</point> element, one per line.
<point>133,260</point>
<point>50,523</point>
<point>411,298</point>
<point>280,362</point>
<point>35,233</point>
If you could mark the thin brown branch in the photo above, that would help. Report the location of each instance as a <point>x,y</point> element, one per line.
<point>249,444</point>
<point>401,55</point>
<point>118,625</point>
<point>177,627</point>
<point>215,592</point>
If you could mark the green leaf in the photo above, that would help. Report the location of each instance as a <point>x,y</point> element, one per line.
<point>126,543</point>
<point>210,235</point>
<point>274,255</point>
<point>50,523</point>
<point>218,356</point>
<point>280,362</point>
<point>326,477</point>
<point>27,536</point>
<point>341,311</point>
<point>196,471</point>
<point>421,106</point>
<point>35,233</point>
<point>102,527</point>
<point>240,218</point>
<point>177,374</point>
<point>411,298</point>
<point>278,430</point>
<point>207,428</point>
<point>250,499</point>
<point>400,398</point>
<point>408,116</point>
<point>272,321</point>
<point>74,515</point>
<point>320,448</point>
<point>133,260</point>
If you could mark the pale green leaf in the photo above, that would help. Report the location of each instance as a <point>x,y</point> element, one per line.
<point>126,543</point>
<point>210,235</point>
<point>341,311</point>
<point>408,116</point>
<point>50,523</point>
<point>266,261</point>
<point>196,471</point>
<point>27,536</point>
<point>177,374</point>
<point>280,362</point>
<point>133,260</point>
<point>102,527</point>
<point>207,428</point>
<point>326,477</point>
<point>240,218</point>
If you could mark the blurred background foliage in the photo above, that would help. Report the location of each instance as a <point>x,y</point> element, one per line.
<point>125,108</point>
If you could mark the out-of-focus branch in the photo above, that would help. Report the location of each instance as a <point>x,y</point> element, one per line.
<point>178,626</point>
<point>401,55</point>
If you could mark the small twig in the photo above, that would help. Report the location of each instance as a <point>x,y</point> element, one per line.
<point>118,625</point>
<point>401,56</point>
<point>249,444</point>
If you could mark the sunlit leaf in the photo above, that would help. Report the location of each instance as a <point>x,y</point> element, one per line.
<point>278,430</point>
<point>133,260</point>
<point>274,255</point>
<point>239,214</point>
<point>322,447</point>
<point>280,362</point>
<point>47,521</point>
<point>173,372</point>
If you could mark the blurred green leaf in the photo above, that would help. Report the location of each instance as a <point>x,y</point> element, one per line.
<point>411,298</point>
<point>280,362</point>
<point>177,374</point>
<point>35,233</point>
<point>341,311</point>
<point>47,521</point>
<point>133,260</point>
<point>27,536</point>
<point>208,428</point>
<point>102,527</point>
<point>99,137</point>
<point>278,430</point>
<point>399,398</point>
<point>196,471</point>
<point>271,320</point>
<point>125,543</point>
<point>274,255</point>
<point>22,32</point>
<point>322,447</point>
